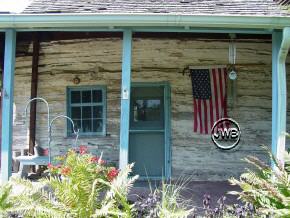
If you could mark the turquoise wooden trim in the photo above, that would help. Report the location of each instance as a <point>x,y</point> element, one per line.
<point>145,131</point>
<point>150,84</point>
<point>125,98</point>
<point>72,29</point>
<point>31,21</point>
<point>201,30</point>
<point>282,95</point>
<point>158,29</point>
<point>168,151</point>
<point>276,43</point>
<point>280,48</point>
<point>104,104</point>
<point>7,104</point>
<point>167,129</point>
<point>151,178</point>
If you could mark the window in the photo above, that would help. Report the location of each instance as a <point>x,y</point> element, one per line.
<point>87,108</point>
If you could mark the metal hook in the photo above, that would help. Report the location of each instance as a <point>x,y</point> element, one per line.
<point>47,105</point>
<point>48,116</point>
<point>76,132</point>
<point>49,123</point>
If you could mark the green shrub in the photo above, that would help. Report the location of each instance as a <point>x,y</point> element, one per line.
<point>165,202</point>
<point>267,189</point>
<point>172,204</point>
<point>6,200</point>
<point>80,186</point>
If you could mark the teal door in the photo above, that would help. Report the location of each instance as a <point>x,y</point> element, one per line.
<point>148,123</point>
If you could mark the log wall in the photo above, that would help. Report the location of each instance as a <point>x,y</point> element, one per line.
<point>98,62</point>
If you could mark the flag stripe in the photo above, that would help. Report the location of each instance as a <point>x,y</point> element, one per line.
<point>221,87</point>
<point>205,117</point>
<point>211,113</point>
<point>200,117</point>
<point>194,116</point>
<point>215,94</point>
<point>212,102</point>
<point>225,95</point>
<point>221,99</point>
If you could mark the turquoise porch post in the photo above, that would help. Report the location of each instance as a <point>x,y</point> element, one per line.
<point>125,98</point>
<point>276,43</point>
<point>7,104</point>
<point>280,47</point>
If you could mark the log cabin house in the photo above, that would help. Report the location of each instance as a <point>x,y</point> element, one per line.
<point>105,63</point>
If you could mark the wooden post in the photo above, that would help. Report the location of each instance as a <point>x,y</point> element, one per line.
<point>125,98</point>
<point>7,105</point>
<point>276,43</point>
<point>281,44</point>
<point>2,46</point>
<point>34,83</point>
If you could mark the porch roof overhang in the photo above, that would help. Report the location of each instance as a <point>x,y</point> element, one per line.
<point>141,22</point>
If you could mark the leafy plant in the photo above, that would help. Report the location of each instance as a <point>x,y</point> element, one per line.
<point>223,210</point>
<point>287,160</point>
<point>166,202</point>
<point>6,200</point>
<point>172,205</point>
<point>267,189</point>
<point>81,185</point>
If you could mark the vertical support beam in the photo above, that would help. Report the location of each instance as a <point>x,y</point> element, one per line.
<point>125,98</point>
<point>34,83</point>
<point>7,104</point>
<point>282,43</point>
<point>276,44</point>
<point>2,46</point>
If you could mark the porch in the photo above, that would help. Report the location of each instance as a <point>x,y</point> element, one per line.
<point>137,57</point>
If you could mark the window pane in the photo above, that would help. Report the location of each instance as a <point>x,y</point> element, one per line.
<point>97,125</point>
<point>98,112</point>
<point>97,96</point>
<point>86,96</point>
<point>87,112</point>
<point>75,97</point>
<point>76,113</point>
<point>87,125</point>
<point>147,110</point>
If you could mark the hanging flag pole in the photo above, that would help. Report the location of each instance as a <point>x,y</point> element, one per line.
<point>232,73</point>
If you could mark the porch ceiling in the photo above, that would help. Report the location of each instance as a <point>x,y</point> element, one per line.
<point>67,35</point>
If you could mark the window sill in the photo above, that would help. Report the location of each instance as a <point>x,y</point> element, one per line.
<point>89,136</point>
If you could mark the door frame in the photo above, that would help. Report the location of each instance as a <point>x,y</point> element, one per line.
<point>167,124</point>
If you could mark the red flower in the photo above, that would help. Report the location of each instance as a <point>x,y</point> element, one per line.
<point>65,171</point>
<point>101,161</point>
<point>94,159</point>
<point>98,160</point>
<point>50,166</point>
<point>83,149</point>
<point>112,174</point>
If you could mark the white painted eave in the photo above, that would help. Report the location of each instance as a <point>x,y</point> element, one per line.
<point>30,21</point>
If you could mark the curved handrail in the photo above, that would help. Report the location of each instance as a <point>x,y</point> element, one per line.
<point>50,127</point>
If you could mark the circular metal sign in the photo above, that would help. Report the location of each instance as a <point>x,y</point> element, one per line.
<point>226,133</point>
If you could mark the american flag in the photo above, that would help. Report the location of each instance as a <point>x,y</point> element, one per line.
<point>209,97</point>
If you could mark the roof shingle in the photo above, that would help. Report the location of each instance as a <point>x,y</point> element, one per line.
<point>184,7</point>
